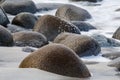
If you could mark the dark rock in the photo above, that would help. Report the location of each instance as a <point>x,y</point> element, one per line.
<point>51,26</point>
<point>58,59</point>
<point>117,9</point>
<point>83,26</point>
<point>29,38</point>
<point>28,49</point>
<point>6,38</point>
<point>81,44</point>
<point>106,42</point>
<point>116,35</point>
<point>16,6</point>
<point>72,13</point>
<point>47,6</point>
<point>3,18</point>
<point>25,19</point>
<point>111,55</point>
<point>15,28</point>
<point>115,63</point>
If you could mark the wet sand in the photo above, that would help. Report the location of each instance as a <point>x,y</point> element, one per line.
<point>10,58</point>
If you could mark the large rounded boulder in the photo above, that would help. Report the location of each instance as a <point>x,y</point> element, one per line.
<point>16,6</point>
<point>81,44</point>
<point>6,38</point>
<point>51,26</point>
<point>116,35</point>
<point>72,13</point>
<point>29,38</point>
<point>25,19</point>
<point>87,0</point>
<point>57,59</point>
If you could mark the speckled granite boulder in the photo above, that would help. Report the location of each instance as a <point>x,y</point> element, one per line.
<point>57,59</point>
<point>72,13</point>
<point>81,44</point>
<point>51,26</point>
<point>29,38</point>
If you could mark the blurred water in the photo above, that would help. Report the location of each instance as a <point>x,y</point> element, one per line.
<point>51,1</point>
<point>104,16</point>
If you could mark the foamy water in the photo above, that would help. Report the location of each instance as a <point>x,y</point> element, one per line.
<point>51,1</point>
<point>103,14</point>
<point>104,18</point>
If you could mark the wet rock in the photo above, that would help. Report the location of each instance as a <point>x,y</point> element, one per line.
<point>29,38</point>
<point>72,13</point>
<point>16,6</point>
<point>28,49</point>
<point>3,18</point>
<point>25,19</point>
<point>57,59</point>
<point>117,9</point>
<point>47,6</point>
<point>14,28</point>
<point>6,38</point>
<point>51,26</point>
<point>83,26</point>
<point>106,42</point>
<point>81,44</point>
<point>116,35</point>
<point>115,63</point>
<point>112,55</point>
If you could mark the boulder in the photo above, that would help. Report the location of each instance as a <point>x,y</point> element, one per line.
<point>83,26</point>
<point>16,6</point>
<point>57,59</point>
<point>29,38</point>
<point>72,13</point>
<point>106,42</point>
<point>47,6</point>
<point>115,63</point>
<point>3,18</point>
<point>6,38</point>
<point>51,26</point>
<point>28,49</point>
<point>112,55</point>
<point>81,44</point>
<point>14,28</point>
<point>117,10</point>
<point>116,35</point>
<point>25,19</point>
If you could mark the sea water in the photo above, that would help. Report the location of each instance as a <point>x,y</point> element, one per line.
<point>104,17</point>
<point>106,21</point>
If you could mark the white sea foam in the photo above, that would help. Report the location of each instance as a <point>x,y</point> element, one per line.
<point>51,1</point>
<point>103,18</point>
<point>98,58</point>
<point>103,15</point>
